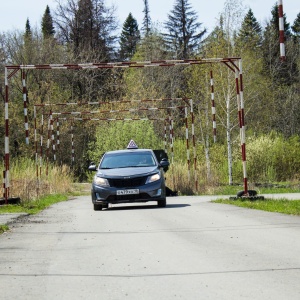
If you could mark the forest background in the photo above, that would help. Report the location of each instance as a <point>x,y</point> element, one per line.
<point>84,31</point>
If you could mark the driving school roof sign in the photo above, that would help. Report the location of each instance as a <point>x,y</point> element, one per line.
<point>132,145</point>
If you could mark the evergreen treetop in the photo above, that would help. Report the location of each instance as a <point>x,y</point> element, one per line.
<point>182,26</point>
<point>47,24</point>
<point>130,37</point>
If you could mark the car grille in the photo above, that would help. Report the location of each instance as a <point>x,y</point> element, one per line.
<point>142,196</point>
<point>127,183</point>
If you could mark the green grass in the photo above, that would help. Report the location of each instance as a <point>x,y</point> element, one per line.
<point>3,228</point>
<point>291,207</point>
<point>33,207</point>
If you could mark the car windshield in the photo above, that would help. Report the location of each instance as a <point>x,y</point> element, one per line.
<point>127,159</point>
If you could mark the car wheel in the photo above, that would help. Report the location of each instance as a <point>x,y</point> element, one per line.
<point>162,203</point>
<point>97,207</point>
<point>105,205</point>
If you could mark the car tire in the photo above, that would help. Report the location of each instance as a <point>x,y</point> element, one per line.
<point>162,203</point>
<point>97,207</point>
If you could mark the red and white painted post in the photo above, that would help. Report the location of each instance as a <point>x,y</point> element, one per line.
<point>281,31</point>
<point>48,140</point>
<point>165,141</point>
<point>3,181</point>
<point>194,144</point>
<point>52,137</point>
<point>187,142</point>
<point>213,107</point>
<point>6,142</point>
<point>241,115</point>
<point>25,107</point>
<point>36,143</point>
<point>57,133</point>
<point>243,132</point>
<point>171,138</point>
<point>72,143</point>
<point>41,143</point>
<point>36,152</point>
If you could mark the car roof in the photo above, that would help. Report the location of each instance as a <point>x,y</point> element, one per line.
<point>128,151</point>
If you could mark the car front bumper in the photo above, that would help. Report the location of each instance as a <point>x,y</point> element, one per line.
<point>149,192</point>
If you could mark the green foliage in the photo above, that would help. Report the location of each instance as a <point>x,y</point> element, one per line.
<point>116,135</point>
<point>250,34</point>
<point>296,26</point>
<point>3,228</point>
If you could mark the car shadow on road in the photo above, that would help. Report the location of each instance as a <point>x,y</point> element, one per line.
<point>135,207</point>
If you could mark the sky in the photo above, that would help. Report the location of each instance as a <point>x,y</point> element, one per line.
<point>14,13</point>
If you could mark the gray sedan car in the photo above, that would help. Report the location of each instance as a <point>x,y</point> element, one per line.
<point>128,176</point>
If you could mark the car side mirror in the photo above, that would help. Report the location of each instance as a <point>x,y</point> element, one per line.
<point>92,167</point>
<point>164,163</point>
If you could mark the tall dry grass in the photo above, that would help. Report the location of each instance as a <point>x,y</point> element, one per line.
<point>25,183</point>
<point>190,181</point>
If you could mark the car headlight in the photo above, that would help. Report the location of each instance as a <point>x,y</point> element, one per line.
<point>101,181</point>
<point>153,178</point>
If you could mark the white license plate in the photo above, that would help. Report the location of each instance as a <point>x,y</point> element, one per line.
<point>128,192</point>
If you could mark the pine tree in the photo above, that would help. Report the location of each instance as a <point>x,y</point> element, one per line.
<point>129,39</point>
<point>182,37</point>
<point>296,26</point>
<point>47,24</point>
<point>28,32</point>
<point>250,34</point>
<point>147,20</point>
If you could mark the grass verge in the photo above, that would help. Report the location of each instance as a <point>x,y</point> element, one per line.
<point>34,207</point>
<point>291,207</point>
<point>263,189</point>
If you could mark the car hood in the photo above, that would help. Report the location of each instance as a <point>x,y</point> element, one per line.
<point>125,172</point>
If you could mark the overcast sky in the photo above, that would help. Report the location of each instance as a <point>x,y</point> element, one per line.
<point>14,13</point>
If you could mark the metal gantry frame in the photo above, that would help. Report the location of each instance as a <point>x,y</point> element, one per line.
<point>188,102</point>
<point>233,63</point>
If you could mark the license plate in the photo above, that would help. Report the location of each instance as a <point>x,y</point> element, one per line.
<point>128,192</point>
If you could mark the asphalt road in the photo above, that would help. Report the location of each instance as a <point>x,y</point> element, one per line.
<point>192,249</point>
